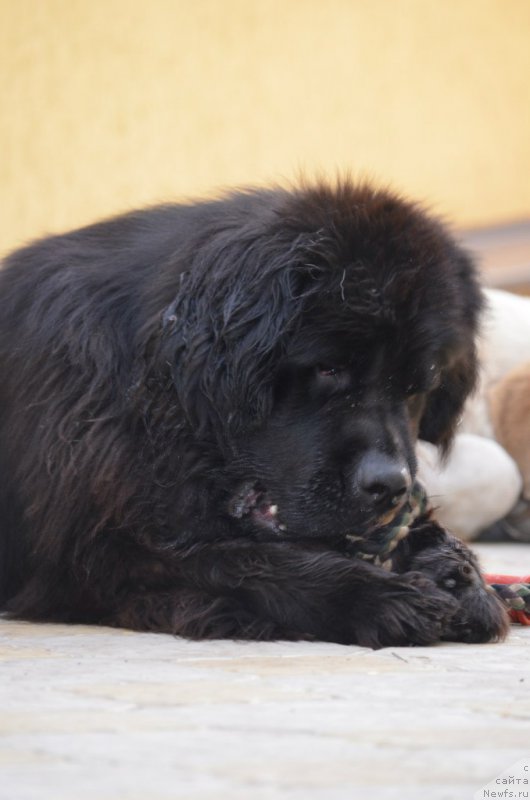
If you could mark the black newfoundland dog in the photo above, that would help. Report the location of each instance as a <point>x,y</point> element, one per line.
<point>202,404</point>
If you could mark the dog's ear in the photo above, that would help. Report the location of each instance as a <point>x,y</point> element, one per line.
<point>459,376</point>
<point>446,403</point>
<point>225,332</point>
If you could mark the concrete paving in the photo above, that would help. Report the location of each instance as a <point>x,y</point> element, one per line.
<point>98,714</point>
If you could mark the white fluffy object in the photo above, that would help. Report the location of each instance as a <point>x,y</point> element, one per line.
<point>477,485</point>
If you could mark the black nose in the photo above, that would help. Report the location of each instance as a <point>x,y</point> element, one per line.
<point>382,480</point>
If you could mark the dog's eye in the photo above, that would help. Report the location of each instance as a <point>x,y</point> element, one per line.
<point>332,378</point>
<point>326,371</point>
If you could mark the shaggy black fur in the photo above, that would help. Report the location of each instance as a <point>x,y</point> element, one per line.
<point>200,402</point>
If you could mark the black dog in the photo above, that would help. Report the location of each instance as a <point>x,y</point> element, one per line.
<point>200,403</point>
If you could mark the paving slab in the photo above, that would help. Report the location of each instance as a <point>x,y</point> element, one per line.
<point>91,713</point>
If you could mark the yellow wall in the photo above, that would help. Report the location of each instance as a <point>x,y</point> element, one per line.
<point>108,104</point>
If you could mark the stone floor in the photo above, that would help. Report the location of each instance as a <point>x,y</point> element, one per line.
<point>100,714</point>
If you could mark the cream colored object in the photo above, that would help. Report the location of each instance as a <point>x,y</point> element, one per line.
<point>477,485</point>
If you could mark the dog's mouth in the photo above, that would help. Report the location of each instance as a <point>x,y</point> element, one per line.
<point>252,502</point>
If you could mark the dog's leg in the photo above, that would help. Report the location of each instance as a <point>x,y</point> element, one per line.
<point>453,567</point>
<point>283,591</point>
<point>252,590</point>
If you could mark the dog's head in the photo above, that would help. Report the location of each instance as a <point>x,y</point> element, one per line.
<point>317,334</point>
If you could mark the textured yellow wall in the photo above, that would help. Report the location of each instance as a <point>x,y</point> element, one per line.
<point>108,104</point>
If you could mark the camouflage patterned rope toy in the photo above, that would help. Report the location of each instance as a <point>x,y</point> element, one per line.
<point>377,546</point>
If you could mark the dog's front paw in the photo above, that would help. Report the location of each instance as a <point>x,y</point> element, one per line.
<point>480,616</point>
<point>410,610</point>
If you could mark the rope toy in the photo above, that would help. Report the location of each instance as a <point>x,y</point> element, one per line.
<point>515,592</point>
<point>379,543</point>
